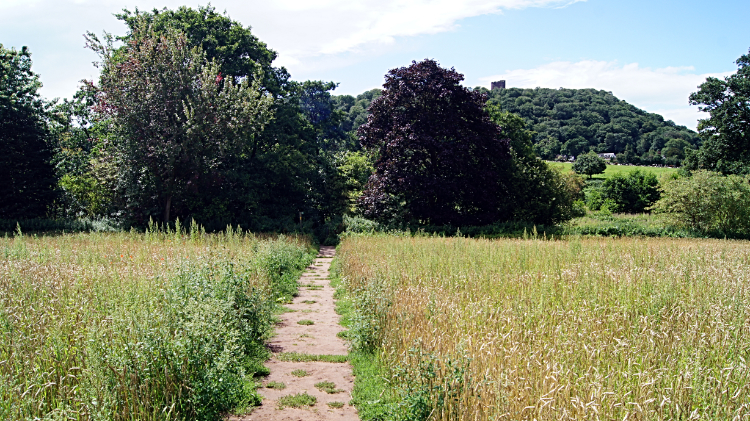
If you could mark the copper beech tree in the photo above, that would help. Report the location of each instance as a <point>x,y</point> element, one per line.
<point>440,156</point>
<point>173,115</point>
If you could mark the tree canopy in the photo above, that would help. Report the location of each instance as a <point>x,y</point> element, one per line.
<point>572,121</point>
<point>439,154</point>
<point>174,115</point>
<point>589,164</point>
<point>726,133</point>
<point>26,171</point>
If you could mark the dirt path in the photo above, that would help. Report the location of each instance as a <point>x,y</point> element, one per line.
<point>314,303</point>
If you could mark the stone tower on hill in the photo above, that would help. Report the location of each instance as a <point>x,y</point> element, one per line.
<point>500,84</point>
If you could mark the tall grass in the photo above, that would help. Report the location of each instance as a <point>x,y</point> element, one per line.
<point>126,326</point>
<point>592,329</point>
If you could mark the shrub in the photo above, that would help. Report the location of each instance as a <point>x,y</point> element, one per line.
<point>708,202</point>
<point>631,193</point>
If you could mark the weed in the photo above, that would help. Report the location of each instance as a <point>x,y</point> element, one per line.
<point>275,385</point>
<point>309,302</point>
<point>300,373</point>
<point>328,387</point>
<point>305,322</point>
<point>298,357</point>
<point>297,401</point>
<point>336,404</point>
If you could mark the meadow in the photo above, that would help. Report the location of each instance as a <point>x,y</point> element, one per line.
<point>134,326</point>
<point>529,329</point>
<point>567,167</point>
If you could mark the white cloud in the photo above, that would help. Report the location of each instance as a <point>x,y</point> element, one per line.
<point>305,33</point>
<point>664,91</point>
<point>302,29</point>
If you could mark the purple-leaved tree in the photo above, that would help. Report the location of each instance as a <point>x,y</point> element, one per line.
<point>440,156</point>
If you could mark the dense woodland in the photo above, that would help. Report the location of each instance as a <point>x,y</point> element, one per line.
<point>572,121</point>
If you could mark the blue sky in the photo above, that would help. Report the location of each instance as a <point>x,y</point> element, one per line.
<point>650,53</point>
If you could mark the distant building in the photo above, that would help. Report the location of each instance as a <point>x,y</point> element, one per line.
<point>607,155</point>
<point>500,84</point>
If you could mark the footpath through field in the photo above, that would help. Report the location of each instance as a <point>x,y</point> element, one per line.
<point>305,336</point>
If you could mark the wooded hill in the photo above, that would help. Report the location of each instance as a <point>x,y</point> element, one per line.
<point>570,122</point>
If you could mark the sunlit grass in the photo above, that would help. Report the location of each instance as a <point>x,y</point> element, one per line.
<point>530,329</point>
<point>116,326</point>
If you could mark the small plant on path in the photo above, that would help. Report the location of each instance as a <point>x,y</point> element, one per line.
<point>297,400</point>
<point>300,373</point>
<point>305,322</point>
<point>275,385</point>
<point>336,404</point>
<point>328,387</point>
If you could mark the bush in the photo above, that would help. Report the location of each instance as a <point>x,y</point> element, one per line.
<point>708,202</point>
<point>631,193</point>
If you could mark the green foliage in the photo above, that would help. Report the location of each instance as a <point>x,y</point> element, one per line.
<point>300,373</point>
<point>297,357</point>
<point>275,385</point>
<point>631,193</point>
<point>328,387</point>
<point>571,121</point>
<point>589,164</point>
<point>175,116</point>
<point>536,193</point>
<point>305,322</point>
<point>708,202</point>
<point>726,134</point>
<point>296,401</point>
<point>138,337</point>
<point>28,182</point>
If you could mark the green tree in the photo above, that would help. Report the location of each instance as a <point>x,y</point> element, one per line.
<point>28,181</point>
<point>537,193</point>
<point>589,164</point>
<point>175,116</point>
<point>726,133</point>
<point>290,165</point>
<point>708,202</point>
<point>632,192</point>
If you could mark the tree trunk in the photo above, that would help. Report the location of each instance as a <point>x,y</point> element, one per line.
<point>166,209</point>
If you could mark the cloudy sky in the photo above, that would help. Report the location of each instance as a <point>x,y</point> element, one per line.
<point>652,53</point>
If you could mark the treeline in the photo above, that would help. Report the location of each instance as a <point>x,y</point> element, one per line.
<point>569,122</point>
<point>574,121</point>
<point>190,120</point>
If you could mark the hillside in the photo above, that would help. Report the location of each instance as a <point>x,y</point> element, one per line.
<point>570,121</point>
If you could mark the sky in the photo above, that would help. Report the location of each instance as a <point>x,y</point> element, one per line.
<point>651,53</point>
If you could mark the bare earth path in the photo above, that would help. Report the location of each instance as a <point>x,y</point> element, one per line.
<point>313,303</point>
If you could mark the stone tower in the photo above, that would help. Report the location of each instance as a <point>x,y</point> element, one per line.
<point>500,84</point>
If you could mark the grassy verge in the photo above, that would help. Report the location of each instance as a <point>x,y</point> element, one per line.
<point>150,326</point>
<point>598,328</point>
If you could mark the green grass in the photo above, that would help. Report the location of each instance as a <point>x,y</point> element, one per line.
<point>336,404</point>
<point>299,357</point>
<point>305,322</point>
<point>276,385</point>
<point>123,325</point>
<point>296,401</point>
<point>309,302</point>
<point>615,169</point>
<point>328,387</point>
<point>300,373</point>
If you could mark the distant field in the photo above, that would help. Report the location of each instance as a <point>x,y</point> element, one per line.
<point>616,169</point>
